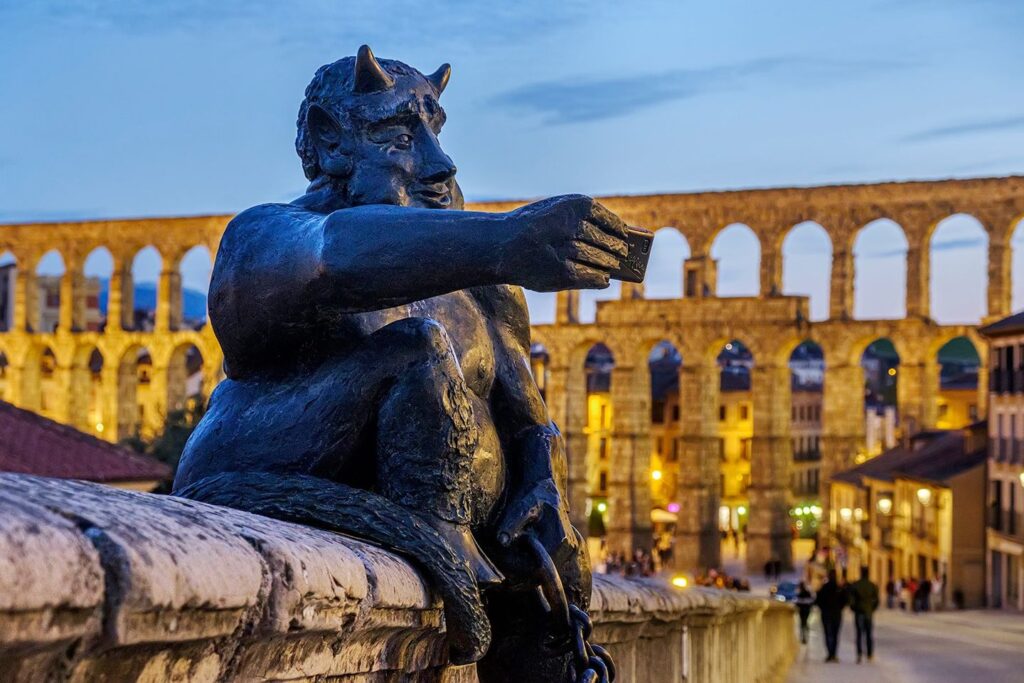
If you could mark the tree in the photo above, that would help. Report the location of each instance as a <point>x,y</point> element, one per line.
<point>178,427</point>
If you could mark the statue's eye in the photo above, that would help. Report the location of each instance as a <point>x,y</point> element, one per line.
<point>404,140</point>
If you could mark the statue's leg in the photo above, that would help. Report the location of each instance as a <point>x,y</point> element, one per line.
<point>427,437</point>
<point>391,415</point>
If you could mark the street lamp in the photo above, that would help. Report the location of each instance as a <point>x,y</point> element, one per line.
<point>924,495</point>
<point>885,505</point>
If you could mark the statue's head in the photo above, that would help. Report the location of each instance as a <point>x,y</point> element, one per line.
<point>368,129</point>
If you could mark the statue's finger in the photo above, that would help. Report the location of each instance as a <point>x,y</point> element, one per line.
<point>587,277</point>
<point>595,257</point>
<point>606,220</point>
<point>610,243</point>
<point>514,525</point>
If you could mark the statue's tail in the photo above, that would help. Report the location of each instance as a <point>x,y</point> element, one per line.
<point>312,501</point>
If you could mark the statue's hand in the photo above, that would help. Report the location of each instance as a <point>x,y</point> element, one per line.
<point>539,511</point>
<point>567,242</point>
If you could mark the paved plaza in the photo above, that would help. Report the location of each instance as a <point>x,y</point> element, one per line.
<point>972,646</point>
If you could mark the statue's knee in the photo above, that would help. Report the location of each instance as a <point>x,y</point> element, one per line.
<point>419,336</point>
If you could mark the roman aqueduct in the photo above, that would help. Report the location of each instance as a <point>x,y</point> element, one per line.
<point>56,368</point>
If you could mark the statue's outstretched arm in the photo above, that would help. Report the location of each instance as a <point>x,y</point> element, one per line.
<point>328,505</point>
<point>368,258</point>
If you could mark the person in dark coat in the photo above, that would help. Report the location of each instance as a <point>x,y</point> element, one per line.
<point>864,601</point>
<point>804,602</point>
<point>831,600</point>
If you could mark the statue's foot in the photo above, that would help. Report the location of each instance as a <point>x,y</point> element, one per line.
<point>460,537</point>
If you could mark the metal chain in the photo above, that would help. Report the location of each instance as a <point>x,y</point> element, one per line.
<point>591,662</point>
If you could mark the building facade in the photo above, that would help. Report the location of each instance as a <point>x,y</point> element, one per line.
<point>1005,529</point>
<point>916,512</point>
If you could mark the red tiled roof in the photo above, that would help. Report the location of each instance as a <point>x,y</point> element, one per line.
<point>33,444</point>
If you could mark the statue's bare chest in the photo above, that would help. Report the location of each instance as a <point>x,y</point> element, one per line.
<point>462,319</point>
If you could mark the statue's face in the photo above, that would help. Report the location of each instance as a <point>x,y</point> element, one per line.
<point>396,156</point>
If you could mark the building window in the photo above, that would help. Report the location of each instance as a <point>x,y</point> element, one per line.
<point>721,413</point>
<point>602,482</point>
<point>744,411</point>
<point>602,448</point>
<point>675,413</point>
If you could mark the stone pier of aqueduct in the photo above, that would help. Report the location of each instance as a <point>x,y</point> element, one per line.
<point>770,325</point>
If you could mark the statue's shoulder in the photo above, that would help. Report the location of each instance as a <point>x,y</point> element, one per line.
<point>271,215</point>
<point>257,224</point>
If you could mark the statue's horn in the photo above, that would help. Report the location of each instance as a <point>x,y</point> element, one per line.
<point>439,79</point>
<point>370,76</point>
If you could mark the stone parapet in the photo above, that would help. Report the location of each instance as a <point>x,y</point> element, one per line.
<point>98,584</point>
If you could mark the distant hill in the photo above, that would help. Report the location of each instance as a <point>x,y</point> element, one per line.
<point>194,302</point>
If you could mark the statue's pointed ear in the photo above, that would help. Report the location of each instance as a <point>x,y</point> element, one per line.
<point>439,79</point>
<point>329,141</point>
<point>323,128</point>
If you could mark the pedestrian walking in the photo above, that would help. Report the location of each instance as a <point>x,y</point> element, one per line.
<point>863,595</point>
<point>831,599</point>
<point>891,591</point>
<point>804,602</point>
<point>924,595</point>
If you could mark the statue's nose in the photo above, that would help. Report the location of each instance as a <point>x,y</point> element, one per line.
<point>440,170</point>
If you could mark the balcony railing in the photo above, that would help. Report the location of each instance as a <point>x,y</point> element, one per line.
<point>1006,522</point>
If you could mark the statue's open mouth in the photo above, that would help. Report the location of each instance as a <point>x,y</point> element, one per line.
<point>436,196</point>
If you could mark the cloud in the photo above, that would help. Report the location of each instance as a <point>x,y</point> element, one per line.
<point>998,125</point>
<point>343,23</point>
<point>953,244</point>
<point>580,99</point>
<point>989,164</point>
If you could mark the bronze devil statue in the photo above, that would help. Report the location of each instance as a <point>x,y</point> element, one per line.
<point>378,383</point>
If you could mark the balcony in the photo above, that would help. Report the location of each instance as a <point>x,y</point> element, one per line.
<point>1006,522</point>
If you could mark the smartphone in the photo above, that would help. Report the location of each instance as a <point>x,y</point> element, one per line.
<point>634,267</point>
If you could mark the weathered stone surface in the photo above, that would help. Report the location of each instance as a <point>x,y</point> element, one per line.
<point>51,589</point>
<point>98,584</point>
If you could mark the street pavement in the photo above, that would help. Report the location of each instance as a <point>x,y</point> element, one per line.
<point>973,646</point>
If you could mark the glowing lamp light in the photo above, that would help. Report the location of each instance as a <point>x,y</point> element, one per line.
<point>99,426</point>
<point>1022,478</point>
<point>680,581</point>
<point>602,507</point>
<point>892,372</point>
<point>924,495</point>
<point>728,347</point>
<point>816,510</point>
<point>885,505</point>
<point>858,514</point>
<point>656,475</point>
<point>741,510</point>
<point>846,514</point>
<point>673,508</point>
